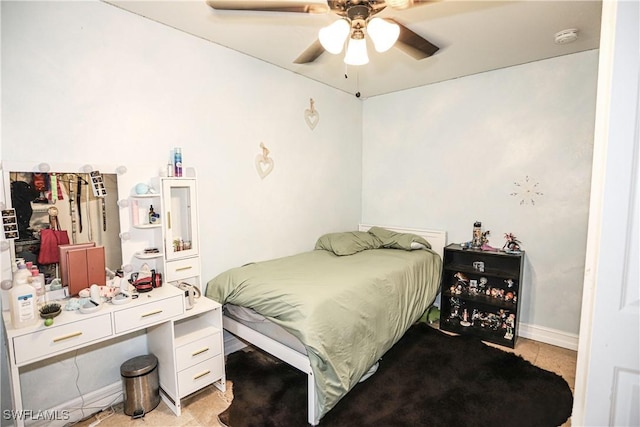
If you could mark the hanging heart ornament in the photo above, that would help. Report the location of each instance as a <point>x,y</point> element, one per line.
<point>311,117</point>
<point>264,165</point>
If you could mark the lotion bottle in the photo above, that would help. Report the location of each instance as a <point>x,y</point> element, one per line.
<point>23,299</point>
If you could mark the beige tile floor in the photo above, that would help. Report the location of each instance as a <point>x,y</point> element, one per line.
<point>202,408</point>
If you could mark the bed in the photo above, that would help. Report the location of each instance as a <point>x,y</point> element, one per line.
<point>333,312</point>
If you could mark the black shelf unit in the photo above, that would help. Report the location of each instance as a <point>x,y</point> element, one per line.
<point>483,301</point>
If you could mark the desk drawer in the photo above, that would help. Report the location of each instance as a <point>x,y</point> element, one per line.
<point>200,375</point>
<point>198,351</point>
<point>182,269</point>
<point>148,314</point>
<point>64,337</point>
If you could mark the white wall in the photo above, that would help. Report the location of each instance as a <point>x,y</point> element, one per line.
<point>87,83</point>
<point>448,154</point>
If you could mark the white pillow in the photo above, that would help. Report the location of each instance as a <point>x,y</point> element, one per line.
<point>417,245</point>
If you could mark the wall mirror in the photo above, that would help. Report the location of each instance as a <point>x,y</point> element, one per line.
<point>84,205</point>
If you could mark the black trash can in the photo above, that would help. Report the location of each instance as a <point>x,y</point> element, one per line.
<point>140,385</point>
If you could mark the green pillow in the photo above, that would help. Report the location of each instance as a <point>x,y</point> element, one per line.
<point>393,240</point>
<point>348,242</point>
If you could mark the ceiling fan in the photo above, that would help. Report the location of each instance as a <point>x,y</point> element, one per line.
<point>357,18</point>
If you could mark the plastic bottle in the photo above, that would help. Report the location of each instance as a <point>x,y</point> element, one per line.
<point>23,299</point>
<point>5,289</point>
<point>177,162</point>
<point>37,281</point>
<point>152,215</point>
<point>22,273</point>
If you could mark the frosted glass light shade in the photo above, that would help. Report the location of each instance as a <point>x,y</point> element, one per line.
<point>332,37</point>
<point>356,52</point>
<point>383,33</point>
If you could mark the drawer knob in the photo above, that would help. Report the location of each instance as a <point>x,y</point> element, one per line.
<point>151,313</point>
<point>207,372</point>
<point>66,337</point>
<point>204,350</point>
<point>184,268</point>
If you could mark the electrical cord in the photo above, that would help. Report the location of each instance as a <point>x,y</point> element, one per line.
<point>97,415</point>
<point>99,419</point>
<point>75,362</point>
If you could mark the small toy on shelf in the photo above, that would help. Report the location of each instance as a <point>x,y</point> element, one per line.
<point>485,242</point>
<point>512,244</point>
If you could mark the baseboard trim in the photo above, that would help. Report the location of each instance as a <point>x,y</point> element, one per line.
<point>549,336</point>
<point>91,403</point>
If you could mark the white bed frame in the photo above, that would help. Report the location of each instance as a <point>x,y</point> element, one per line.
<point>438,240</point>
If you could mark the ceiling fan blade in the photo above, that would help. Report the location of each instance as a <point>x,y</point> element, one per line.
<point>310,54</point>
<point>406,4</point>
<point>299,6</point>
<point>412,44</point>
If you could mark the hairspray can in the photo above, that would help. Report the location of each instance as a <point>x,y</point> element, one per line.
<point>177,162</point>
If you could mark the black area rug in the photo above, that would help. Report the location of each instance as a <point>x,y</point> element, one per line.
<point>427,379</point>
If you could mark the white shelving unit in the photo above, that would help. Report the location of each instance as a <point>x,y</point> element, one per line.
<point>175,234</point>
<point>190,348</point>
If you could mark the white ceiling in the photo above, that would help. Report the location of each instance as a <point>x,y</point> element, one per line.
<point>473,36</point>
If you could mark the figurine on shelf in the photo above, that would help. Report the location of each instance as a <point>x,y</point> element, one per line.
<point>473,287</point>
<point>483,284</point>
<point>509,325</point>
<point>485,242</point>
<point>455,307</point>
<point>512,244</point>
<point>465,319</point>
<point>509,296</point>
<point>461,284</point>
<point>475,316</point>
<point>461,277</point>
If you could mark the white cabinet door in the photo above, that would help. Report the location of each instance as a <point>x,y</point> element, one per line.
<point>179,203</point>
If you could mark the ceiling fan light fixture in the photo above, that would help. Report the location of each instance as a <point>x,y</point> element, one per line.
<point>383,33</point>
<point>356,52</point>
<point>332,37</point>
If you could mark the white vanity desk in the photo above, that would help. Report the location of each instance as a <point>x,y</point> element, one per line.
<point>187,343</point>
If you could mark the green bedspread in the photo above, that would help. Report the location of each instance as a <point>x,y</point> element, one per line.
<point>346,310</point>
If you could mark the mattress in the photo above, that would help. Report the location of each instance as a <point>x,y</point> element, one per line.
<point>259,323</point>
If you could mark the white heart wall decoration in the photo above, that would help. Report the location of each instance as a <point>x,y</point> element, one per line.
<point>311,117</point>
<point>264,165</point>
